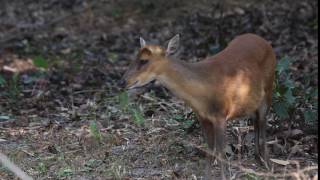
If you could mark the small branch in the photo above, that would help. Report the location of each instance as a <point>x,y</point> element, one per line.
<point>89,91</point>
<point>13,168</point>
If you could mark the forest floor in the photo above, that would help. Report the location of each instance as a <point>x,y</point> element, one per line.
<point>64,116</point>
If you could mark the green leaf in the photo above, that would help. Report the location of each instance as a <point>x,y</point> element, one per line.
<point>188,123</point>
<point>277,94</point>
<point>2,81</point>
<point>116,12</point>
<point>178,117</point>
<point>314,92</point>
<point>14,88</point>
<point>64,172</point>
<point>93,163</point>
<point>124,100</point>
<point>15,78</point>
<point>281,109</point>
<point>281,89</point>
<point>40,62</point>
<point>289,83</point>
<point>310,117</point>
<point>251,176</point>
<point>112,57</point>
<point>283,65</point>
<point>95,131</point>
<point>41,168</point>
<point>289,97</point>
<point>137,116</point>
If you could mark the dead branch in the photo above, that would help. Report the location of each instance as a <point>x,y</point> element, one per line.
<point>13,168</point>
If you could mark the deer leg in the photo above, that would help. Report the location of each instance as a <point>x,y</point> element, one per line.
<point>207,128</point>
<point>260,126</point>
<point>219,131</point>
<point>262,136</point>
<point>256,136</point>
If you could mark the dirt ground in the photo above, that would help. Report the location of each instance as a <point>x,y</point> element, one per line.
<point>63,114</point>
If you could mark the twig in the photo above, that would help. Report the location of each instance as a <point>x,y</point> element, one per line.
<point>13,168</point>
<point>89,91</point>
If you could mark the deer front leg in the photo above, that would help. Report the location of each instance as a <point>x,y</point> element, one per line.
<point>214,134</point>
<point>207,129</point>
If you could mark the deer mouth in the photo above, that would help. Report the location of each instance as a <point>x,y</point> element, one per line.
<point>133,86</point>
<point>137,85</point>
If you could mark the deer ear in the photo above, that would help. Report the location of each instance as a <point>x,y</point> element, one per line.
<point>173,45</point>
<point>142,42</point>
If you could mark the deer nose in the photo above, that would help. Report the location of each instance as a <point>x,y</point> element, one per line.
<point>122,83</point>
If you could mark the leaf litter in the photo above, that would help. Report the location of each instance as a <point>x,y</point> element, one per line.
<point>68,118</point>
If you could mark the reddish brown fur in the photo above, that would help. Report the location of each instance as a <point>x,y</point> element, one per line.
<point>236,82</point>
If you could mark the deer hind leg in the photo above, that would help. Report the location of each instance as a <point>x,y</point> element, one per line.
<point>260,125</point>
<point>219,135</point>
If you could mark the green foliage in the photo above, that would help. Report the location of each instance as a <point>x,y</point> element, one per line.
<point>124,100</point>
<point>41,168</point>
<point>288,96</point>
<point>310,114</point>
<point>116,12</point>
<point>61,157</point>
<point>65,172</point>
<point>284,100</point>
<point>40,62</point>
<point>2,81</point>
<point>281,109</point>
<point>251,176</point>
<point>137,116</point>
<point>185,123</point>
<point>112,57</point>
<point>91,165</point>
<point>135,112</point>
<point>95,132</point>
<point>310,117</point>
<point>13,88</point>
<point>283,65</point>
<point>314,24</point>
<point>15,81</point>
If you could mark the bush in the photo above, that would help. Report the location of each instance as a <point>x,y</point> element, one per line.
<point>290,99</point>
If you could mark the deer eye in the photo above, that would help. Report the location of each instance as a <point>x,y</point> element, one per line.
<point>143,62</point>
